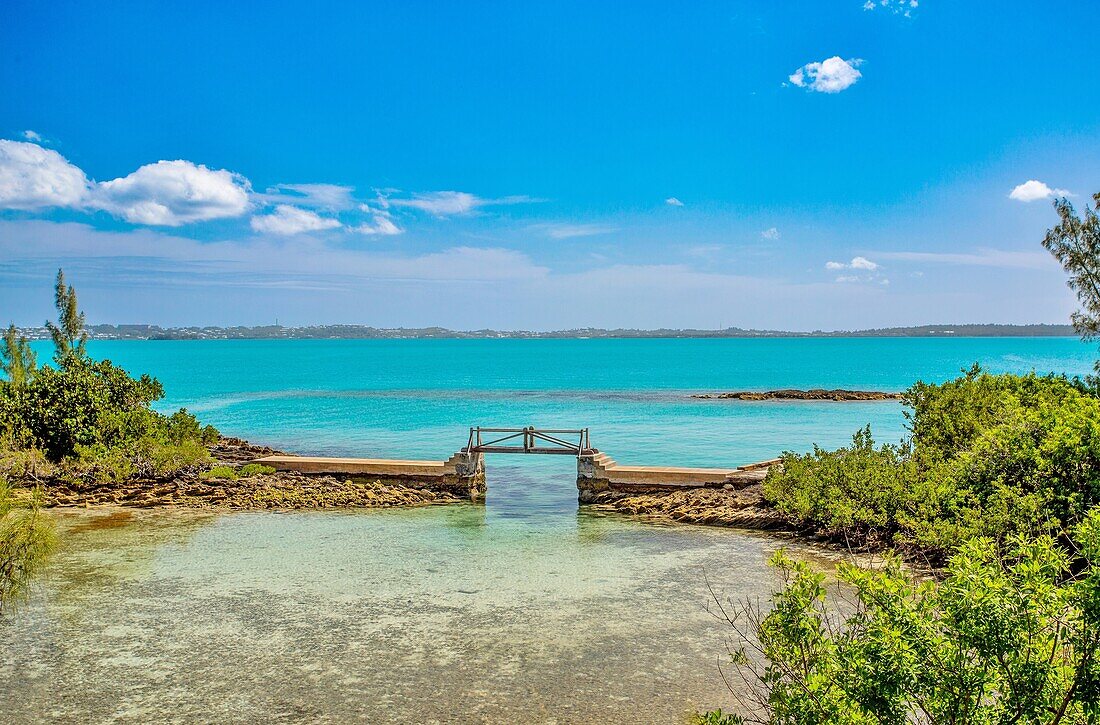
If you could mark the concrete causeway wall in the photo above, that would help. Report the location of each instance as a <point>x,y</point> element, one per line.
<point>465,472</point>
<point>598,472</point>
<point>462,473</point>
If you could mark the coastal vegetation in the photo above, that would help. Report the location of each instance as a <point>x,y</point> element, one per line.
<point>989,455</point>
<point>81,421</point>
<point>85,419</point>
<point>27,539</point>
<point>1010,634</point>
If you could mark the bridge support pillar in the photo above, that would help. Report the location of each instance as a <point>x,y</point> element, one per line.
<point>591,476</point>
<point>468,471</point>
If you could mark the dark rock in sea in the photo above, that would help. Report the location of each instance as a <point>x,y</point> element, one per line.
<point>838,395</point>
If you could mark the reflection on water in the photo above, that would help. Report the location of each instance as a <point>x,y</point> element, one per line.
<point>522,608</point>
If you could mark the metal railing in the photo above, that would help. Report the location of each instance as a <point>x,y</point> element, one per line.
<point>528,440</point>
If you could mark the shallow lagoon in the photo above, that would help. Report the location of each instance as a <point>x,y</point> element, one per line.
<point>442,614</point>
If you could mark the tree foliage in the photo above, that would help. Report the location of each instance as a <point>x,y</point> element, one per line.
<point>1075,242</point>
<point>1010,635</point>
<point>989,455</point>
<point>17,360</point>
<point>70,338</point>
<point>26,541</point>
<point>92,415</point>
<point>854,491</point>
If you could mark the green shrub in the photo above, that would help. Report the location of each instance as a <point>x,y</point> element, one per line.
<point>91,417</point>
<point>81,403</point>
<point>254,469</point>
<point>1011,634</point>
<point>25,464</point>
<point>94,419</point>
<point>990,455</point>
<point>231,473</point>
<point>220,472</point>
<point>850,491</point>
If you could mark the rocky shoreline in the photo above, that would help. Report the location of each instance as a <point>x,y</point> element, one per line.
<point>280,490</point>
<point>741,508</point>
<point>836,395</point>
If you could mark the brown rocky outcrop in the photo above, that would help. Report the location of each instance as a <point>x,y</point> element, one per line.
<point>743,508</point>
<point>280,490</point>
<point>838,395</point>
<point>264,491</point>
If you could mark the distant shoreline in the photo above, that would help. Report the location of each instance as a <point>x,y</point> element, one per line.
<point>363,332</point>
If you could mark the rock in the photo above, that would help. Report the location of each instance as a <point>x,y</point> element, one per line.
<point>837,395</point>
<point>716,507</point>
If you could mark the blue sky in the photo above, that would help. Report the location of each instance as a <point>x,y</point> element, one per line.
<point>787,165</point>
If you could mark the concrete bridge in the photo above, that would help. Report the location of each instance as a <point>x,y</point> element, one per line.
<point>465,470</point>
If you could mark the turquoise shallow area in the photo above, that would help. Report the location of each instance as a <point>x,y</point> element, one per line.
<point>417,398</point>
<point>526,608</point>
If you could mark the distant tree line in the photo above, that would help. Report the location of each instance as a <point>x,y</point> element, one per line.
<point>366,332</point>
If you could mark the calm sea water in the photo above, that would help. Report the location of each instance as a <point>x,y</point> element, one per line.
<point>524,608</point>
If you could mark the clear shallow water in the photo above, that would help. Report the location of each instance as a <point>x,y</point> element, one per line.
<point>524,608</point>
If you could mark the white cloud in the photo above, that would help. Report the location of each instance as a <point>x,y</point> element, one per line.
<point>673,201</point>
<point>288,220</point>
<point>866,278</point>
<point>452,203</point>
<point>568,231</point>
<point>771,233</point>
<point>171,193</point>
<point>442,203</point>
<point>167,193</point>
<point>32,177</point>
<point>32,136</point>
<point>857,263</point>
<point>380,224</point>
<point>831,75</point>
<point>332,197</point>
<point>862,270</point>
<point>902,7</point>
<point>1034,190</point>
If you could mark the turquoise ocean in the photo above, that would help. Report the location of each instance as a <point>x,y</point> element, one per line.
<point>417,398</point>
<point>524,608</point>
